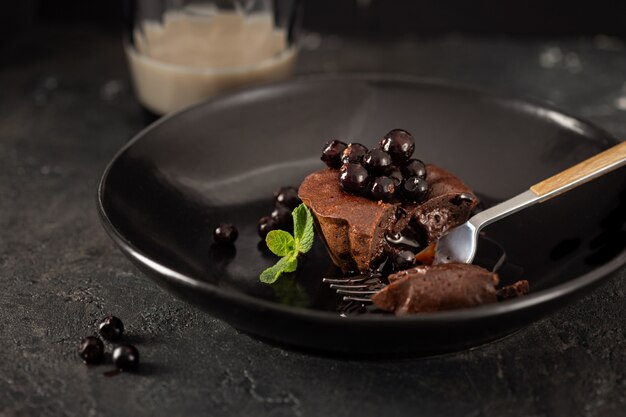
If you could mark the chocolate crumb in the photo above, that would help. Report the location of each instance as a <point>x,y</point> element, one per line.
<point>513,291</point>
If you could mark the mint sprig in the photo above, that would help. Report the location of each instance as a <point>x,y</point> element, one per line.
<point>283,244</point>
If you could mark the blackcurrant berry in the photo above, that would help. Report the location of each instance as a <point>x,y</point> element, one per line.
<point>415,189</point>
<point>111,328</point>
<point>399,144</point>
<point>265,225</point>
<point>331,155</point>
<point>91,350</point>
<point>225,234</point>
<point>125,357</point>
<point>353,178</point>
<point>282,216</point>
<point>354,153</point>
<point>377,161</point>
<point>382,188</point>
<point>414,168</point>
<point>288,197</point>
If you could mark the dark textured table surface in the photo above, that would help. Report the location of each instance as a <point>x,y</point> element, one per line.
<point>66,106</point>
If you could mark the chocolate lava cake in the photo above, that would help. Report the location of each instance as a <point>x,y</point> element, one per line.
<point>360,233</point>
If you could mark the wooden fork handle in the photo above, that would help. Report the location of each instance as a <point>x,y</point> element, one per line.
<point>587,170</point>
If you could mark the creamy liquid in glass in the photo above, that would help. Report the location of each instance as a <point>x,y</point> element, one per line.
<point>189,57</point>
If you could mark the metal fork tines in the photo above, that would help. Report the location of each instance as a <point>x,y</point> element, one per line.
<point>348,281</point>
<point>356,292</point>
<point>359,288</point>
<point>349,286</point>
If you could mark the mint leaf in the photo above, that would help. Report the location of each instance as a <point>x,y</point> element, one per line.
<point>284,244</point>
<point>289,263</point>
<point>271,274</point>
<point>303,228</point>
<point>285,264</point>
<point>281,243</point>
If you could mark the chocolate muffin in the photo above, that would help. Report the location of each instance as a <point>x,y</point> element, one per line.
<point>360,234</point>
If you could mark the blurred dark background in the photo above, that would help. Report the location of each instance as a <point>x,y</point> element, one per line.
<point>379,18</point>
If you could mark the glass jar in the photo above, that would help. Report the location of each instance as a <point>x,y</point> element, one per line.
<point>183,51</point>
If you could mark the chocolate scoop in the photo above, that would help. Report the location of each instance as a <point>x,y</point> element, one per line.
<point>354,228</point>
<point>437,287</point>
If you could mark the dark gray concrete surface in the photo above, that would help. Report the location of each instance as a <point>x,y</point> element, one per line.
<point>66,107</point>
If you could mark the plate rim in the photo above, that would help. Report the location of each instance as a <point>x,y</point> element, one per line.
<point>572,286</point>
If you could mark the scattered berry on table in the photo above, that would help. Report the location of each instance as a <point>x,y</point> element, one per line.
<point>91,350</point>
<point>125,357</point>
<point>111,328</point>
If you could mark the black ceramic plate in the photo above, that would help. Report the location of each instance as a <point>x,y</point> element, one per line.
<point>220,161</point>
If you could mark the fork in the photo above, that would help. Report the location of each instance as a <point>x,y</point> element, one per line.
<point>359,288</point>
<point>460,244</point>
